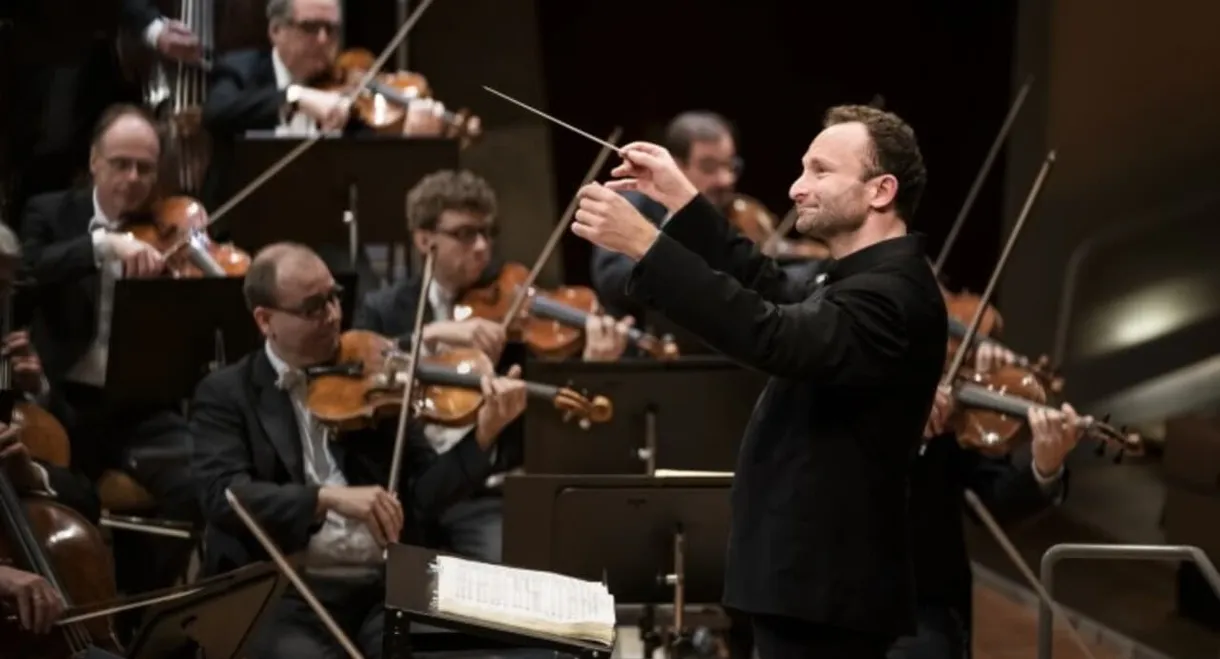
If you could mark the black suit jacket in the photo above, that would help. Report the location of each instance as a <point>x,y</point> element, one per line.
<point>247,439</point>
<point>136,15</point>
<point>57,254</point>
<point>819,519</point>
<point>610,271</point>
<point>942,474</point>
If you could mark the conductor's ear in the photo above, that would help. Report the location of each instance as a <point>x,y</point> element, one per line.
<point>262,318</point>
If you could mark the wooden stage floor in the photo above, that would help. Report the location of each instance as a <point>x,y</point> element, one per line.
<point>1005,628</point>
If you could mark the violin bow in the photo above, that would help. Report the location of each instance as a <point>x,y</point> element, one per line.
<point>408,387</point>
<point>291,574</point>
<point>972,499</point>
<point>283,162</point>
<point>523,291</point>
<point>975,187</point>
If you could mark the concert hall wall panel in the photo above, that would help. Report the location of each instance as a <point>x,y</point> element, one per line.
<point>1120,250</point>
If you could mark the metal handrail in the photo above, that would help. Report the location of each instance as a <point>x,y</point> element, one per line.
<point>1113,552</point>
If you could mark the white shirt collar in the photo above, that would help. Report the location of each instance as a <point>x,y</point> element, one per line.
<point>283,77</point>
<point>439,297</point>
<point>99,216</point>
<point>281,367</point>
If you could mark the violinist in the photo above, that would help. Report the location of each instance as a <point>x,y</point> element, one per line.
<point>312,491</point>
<point>855,361</point>
<point>454,213</point>
<point>942,473</point>
<point>74,257</point>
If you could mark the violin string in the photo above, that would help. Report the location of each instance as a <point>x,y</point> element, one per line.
<point>1006,544</point>
<point>548,117</point>
<point>292,155</point>
<point>282,563</point>
<point>979,178</point>
<point>523,291</point>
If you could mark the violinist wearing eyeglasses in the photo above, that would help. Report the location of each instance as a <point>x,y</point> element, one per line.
<point>453,213</point>
<point>1010,489</point>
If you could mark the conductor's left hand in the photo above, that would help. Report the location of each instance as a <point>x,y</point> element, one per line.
<point>606,219</point>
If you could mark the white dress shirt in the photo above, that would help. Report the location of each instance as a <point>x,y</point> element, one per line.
<point>443,438</point>
<point>342,541</point>
<point>91,368</point>
<point>292,124</point>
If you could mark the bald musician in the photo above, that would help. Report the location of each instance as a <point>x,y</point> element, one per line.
<point>74,257</point>
<point>818,552</point>
<point>313,494</point>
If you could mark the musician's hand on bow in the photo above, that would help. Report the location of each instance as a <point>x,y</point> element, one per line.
<point>16,461</point>
<point>425,118</point>
<point>650,169</point>
<point>140,260</point>
<point>27,367</point>
<point>942,410</point>
<point>38,604</point>
<point>1055,434</point>
<point>605,339</point>
<point>330,109</point>
<point>989,357</point>
<point>378,509</point>
<point>504,400</point>
<point>487,336</point>
<point>605,218</point>
<point>176,41</point>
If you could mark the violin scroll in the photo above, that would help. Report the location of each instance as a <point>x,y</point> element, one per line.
<point>587,411</point>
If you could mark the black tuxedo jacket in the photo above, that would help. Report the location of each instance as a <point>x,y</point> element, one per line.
<point>247,439</point>
<point>57,254</point>
<point>819,501</point>
<point>943,472</point>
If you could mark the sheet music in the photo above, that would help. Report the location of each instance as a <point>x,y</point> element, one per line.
<point>682,473</point>
<point>512,594</point>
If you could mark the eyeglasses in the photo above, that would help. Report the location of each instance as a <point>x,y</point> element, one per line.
<point>467,235</point>
<point>315,307</point>
<point>141,167</point>
<point>314,28</point>
<point>712,167</point>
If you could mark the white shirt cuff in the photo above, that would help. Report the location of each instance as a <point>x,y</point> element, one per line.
<point>1046,481</point>
<point>153,32</point>
<point>103,249</point>
<point>45,479</point>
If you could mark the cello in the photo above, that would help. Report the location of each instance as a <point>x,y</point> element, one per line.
<point>43,434</point>
<point>56,543</point>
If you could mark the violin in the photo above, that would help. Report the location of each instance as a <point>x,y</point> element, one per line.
<point>56,543</point>
<point>382,104</point>
<point>552,323</point>
<point>757,223</point>
<point>177,227</point>
<point>992,409</point>
<point>365,386</point>
<point>963,306</point>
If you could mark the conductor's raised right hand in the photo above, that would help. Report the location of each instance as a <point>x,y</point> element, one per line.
<point>651,170</point>
<point>373,505</point>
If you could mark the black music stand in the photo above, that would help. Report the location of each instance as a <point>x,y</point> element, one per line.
<point>677,527</point>
<point>409,593</point>
<point>689,413</point>
<point>219,620</point>
<point>167,334</point>
<point>307,201</point>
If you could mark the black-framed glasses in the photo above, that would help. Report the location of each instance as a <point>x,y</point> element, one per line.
<point>711,166</point>
<point>142,167</point>
<point>315,307</point>
<point>314,28</point>
<point>467,235</point>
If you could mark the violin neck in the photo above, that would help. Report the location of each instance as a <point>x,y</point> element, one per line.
<point>446,376</point>
<point>973,395</point>
<point>545,307</point>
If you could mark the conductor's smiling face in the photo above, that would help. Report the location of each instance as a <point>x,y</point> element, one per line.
<point>834,192</point>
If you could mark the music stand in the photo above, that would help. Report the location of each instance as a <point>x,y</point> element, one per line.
<point>310,200</point>
<point>220,620</point>
<point>410,587</point>
<point>167,334</point>
<point>576,525</point>
<point>689,413</point>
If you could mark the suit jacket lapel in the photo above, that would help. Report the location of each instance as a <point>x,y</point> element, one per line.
<point>79,215</point>
<point>277,417</point>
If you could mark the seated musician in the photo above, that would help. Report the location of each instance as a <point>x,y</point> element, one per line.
<point>454,212</point>
<point>74,256</point>
<point>326,498</point>
<point>942,473</point>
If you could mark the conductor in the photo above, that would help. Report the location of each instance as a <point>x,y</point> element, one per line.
<point>819,554</point>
